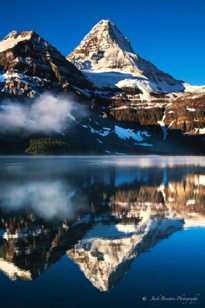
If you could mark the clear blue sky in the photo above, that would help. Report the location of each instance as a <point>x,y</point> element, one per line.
<point>170,33</point>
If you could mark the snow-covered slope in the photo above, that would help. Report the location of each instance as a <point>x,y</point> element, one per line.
<point>107,59</point>
<point>193,88</point>
<point>13,38</point>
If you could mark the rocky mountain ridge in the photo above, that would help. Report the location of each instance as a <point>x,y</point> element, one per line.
<point>30,65</point>
<point>133,107</point>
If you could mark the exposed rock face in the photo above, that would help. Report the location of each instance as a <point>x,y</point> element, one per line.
<point>30,65</point>
<point>187,113</point>
<point>184,113</point>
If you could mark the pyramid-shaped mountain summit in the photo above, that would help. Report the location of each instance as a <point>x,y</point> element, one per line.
<point>106,50</point>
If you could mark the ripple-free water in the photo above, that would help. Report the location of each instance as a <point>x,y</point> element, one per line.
<point>110,231</point>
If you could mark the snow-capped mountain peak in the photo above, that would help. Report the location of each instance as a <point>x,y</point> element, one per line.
<point>104,47</point>
<point>29,65</point>
<point>13,38</point>
<point>107,32</point>
<point>106,50</point>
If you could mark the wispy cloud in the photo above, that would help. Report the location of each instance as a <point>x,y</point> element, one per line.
<point>47,114</point>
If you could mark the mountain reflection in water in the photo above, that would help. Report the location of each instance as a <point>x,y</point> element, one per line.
<point>99,212</point>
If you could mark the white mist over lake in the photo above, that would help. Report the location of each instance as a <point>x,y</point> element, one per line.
<point>47,114</point>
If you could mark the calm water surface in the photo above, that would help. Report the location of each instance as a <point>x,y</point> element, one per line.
<point>102,232</point>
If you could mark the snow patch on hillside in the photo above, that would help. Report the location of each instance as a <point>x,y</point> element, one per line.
<point>128,133</point>
<point>190,109</point>
<point>102,132</point>
<point>193,89</point>
<point>1,78</point>
<point>163,127</point>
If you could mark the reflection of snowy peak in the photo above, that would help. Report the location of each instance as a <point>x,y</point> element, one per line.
<point>99,258</point>
<point>127,212</point>
<point>107,58</point>
<point>103,258</point>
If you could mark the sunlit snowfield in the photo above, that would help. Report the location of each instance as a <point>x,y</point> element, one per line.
<point>112,231</point>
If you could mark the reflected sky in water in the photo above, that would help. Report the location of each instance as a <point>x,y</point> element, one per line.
<point>125,231</point>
